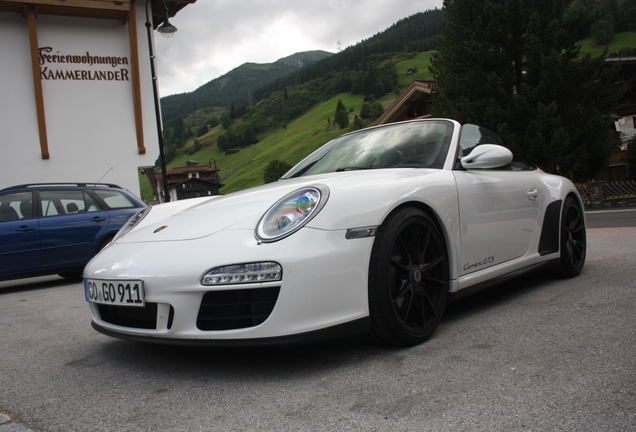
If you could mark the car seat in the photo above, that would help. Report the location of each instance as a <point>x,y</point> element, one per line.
<point>8,213</point>
<point>26,208</point>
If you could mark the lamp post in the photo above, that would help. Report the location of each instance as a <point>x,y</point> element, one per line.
<point>167,30</point>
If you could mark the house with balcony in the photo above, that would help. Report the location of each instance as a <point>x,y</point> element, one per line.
<point>190,181</point>
<point>624,115</point>
<point>414,102</point>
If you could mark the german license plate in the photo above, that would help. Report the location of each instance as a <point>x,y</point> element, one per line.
<point>115,292</point>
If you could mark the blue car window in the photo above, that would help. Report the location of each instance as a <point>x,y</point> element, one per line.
<point>62,202</point>
<point>15,206</point>
<point>114,199</point>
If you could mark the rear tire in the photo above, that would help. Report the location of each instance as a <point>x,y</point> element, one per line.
<point>408,279</point>
<point>573,239</point>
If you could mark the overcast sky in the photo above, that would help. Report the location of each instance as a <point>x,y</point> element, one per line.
<point>216,36</point>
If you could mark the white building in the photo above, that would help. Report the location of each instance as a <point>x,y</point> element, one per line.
<point>76,95</point>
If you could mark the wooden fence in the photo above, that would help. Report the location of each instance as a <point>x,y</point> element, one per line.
<point>599,195</point>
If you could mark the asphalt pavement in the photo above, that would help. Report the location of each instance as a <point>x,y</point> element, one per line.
<point>611,218</point>
<point>539,354</point>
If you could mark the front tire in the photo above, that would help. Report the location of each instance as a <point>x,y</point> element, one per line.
<point>573,239</point>
<point>408,279</point>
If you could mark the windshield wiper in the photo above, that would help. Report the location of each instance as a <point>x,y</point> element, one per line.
<point>351,168</point>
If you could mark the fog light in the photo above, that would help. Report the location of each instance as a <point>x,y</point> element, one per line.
<point>244,273</point>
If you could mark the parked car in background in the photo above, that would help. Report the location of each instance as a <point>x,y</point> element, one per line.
<point>57,228</point>
<point>372,233</point>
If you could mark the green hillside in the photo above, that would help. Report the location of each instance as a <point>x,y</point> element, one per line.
<point>246,168</point>
<point>420,62</point>
<point>621,40</point>
<point>235,86</point>
<point>300,137</point>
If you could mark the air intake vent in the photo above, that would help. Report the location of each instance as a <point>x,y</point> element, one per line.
<point>235,309</point>
<point>133,317</point>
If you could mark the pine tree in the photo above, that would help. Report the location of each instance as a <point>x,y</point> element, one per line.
<point>340,106</point>
<point>341,117</point>
<point>226,120</point>
<point>514,67</point>
<point>365,111</point>
<point>177,132</point>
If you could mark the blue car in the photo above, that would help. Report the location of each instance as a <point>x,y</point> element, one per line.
<point>57,228</point>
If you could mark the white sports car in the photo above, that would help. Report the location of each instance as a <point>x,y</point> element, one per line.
<point>371,234</point>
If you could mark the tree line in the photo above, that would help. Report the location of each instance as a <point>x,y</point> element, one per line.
<point>515,67</point>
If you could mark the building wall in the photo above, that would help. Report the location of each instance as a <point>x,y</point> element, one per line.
<point>90,119</point>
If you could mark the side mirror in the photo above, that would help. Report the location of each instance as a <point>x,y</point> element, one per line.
<point>487,156</point>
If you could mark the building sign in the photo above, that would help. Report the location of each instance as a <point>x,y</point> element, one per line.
<point>625,126</point>
<point>82,67</point>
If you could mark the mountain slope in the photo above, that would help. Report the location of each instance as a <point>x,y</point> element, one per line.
<point>235,87</point>
<point>251,82</point>
<point>416,33</point>
<point>289,144</point>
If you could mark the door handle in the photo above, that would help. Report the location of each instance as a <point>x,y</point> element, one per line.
<point>98,219</point>
<point>532,194</point>
<point>25,228</point>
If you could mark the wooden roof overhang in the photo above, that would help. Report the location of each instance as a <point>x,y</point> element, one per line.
<point>410,104</point>
<point>107,9</point>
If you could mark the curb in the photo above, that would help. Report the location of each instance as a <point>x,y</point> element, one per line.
<point>7,424</point>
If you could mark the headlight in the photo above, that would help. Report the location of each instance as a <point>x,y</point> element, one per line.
<point>244,273</point>
<point>131,223</point>
<point>291,213</point>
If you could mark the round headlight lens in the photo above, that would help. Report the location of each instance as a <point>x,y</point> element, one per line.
<point>308,201</point>
<point>291,213</point>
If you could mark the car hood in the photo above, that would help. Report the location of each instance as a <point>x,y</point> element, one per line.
<point>356,199</point>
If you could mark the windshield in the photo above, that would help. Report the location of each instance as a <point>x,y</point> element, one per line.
<point>418,144</point>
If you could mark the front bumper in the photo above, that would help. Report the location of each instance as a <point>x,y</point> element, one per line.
<point>324,286</point>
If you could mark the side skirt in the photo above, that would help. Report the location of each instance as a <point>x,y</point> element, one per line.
<point>552,264</point>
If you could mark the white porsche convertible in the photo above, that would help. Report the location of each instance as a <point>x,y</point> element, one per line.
<point>371,234</point>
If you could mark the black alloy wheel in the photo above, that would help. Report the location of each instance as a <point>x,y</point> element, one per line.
<point>408,279</point>
<point>573,239</point>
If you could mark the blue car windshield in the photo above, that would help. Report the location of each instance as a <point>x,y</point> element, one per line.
<point>418,144</point>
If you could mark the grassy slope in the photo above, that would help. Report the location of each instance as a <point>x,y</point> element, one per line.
<point>245,168</point>
<point>308,132</point>
<point>420,61</point>
<point>620,40</point>
<point>302,136</point>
